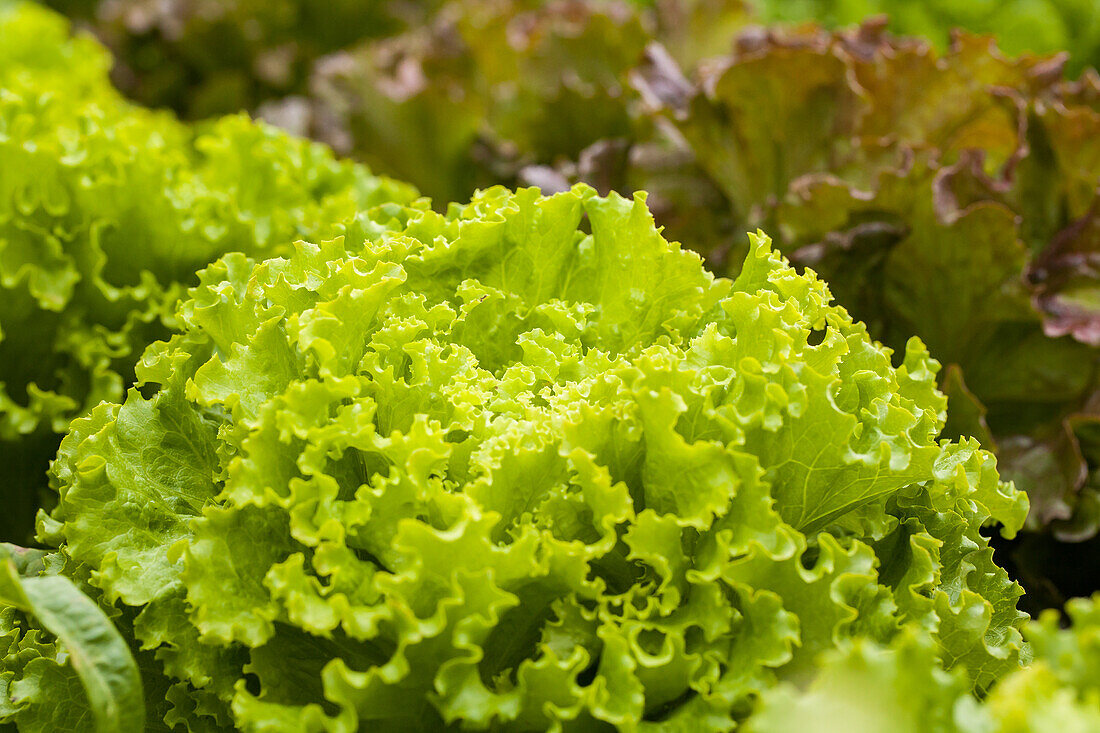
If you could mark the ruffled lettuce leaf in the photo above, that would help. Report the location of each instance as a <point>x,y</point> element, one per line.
<point>871,687</point>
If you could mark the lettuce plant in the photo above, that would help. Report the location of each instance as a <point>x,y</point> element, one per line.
<point>523,466</point>
<point>106,212</point>
<point>868,687</point>
<point>970,222</point>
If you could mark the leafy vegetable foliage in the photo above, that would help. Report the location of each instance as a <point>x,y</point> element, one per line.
<point>1038,26</point>
<point>950,195</point>
<point>503,91</point>
<point>209,57</point>
<point>106,211</point>
<point>868,687</point>
<point>969,223</point>
<point>206,57</point>
<point>523,465</point>
<point>947,194</point>
<point>90,653</point>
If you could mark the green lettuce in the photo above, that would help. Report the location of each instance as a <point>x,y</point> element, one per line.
<point>870,687</point>
<point>524,465</point>
<point>106,212</point>
<point>947,194</point>
<point>88,655</point>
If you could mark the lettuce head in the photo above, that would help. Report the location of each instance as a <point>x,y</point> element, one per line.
<point>524,465</point>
